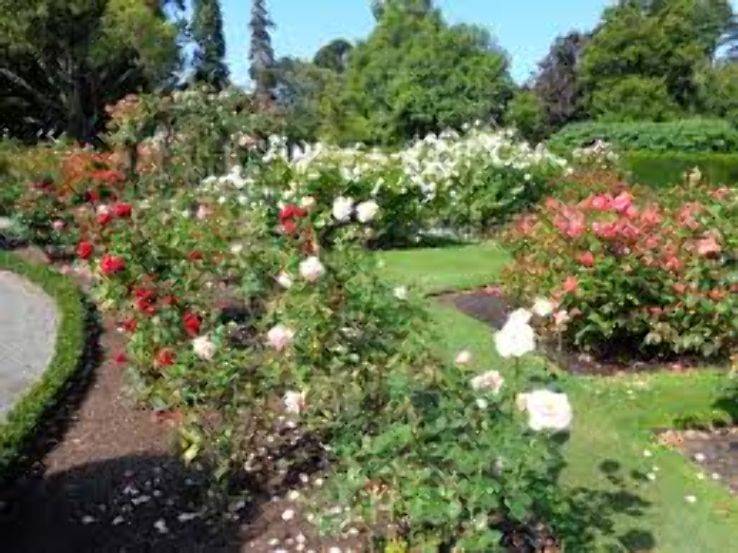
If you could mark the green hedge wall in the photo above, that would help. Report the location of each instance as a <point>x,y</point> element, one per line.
<point>667,169</point>
<point>687,135</point>
<point>22,421</point>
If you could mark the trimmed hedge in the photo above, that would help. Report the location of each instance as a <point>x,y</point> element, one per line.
<point>687,135</point>
<point>667,169</point>
<point>19,426</point>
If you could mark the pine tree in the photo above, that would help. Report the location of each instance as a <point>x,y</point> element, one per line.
<point>262,53</point>
<point>207,30</point>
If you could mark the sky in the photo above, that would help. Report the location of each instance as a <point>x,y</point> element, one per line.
<point>524,28</point>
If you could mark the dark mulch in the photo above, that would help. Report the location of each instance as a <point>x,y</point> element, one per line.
<point>714,451</point>
<point>490,306</point>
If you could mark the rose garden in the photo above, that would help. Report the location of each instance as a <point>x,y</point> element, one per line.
<point>262,340</point>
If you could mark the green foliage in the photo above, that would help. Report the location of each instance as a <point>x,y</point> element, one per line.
<point>28,413</point>
<point>415,75</point>
<point>261,52</point>
<point>207,31</point>
<point>670,40</point>
<point>63,61</point>
<point>633,98</point>
<point>669,168</point>
<point>686,135</point>
<point>719,91</point>
<point>334,55</point>
<point>526,113</point>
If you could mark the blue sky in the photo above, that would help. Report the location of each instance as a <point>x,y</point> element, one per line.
<point>524,28</point>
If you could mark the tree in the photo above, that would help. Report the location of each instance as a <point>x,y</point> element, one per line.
<point>719,90</point>
<point>334,55</point>
<point>526,113</point>
<point>415,75</point>
<point>557,83</point>
<point>418,7</point>
<point>661,39</point>
<point>207,31</point>
<point>261,53</point>
<point>62,61</point>
<point>633,98</point>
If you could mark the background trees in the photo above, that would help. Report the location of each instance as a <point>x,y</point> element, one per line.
<point>62,61</point>
<point>261,53</point>
<point>415,74</point>
<point>207,31</point>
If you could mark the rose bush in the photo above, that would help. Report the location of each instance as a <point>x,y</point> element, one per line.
<point>632,272</point>
<point>262,325</point>
<point>458,182</point>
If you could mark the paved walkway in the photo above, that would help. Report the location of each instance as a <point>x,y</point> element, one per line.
<point>28,325</point>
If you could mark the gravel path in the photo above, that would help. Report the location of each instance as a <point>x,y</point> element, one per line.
<point>28,325</point>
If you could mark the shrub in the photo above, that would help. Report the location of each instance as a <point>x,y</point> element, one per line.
<point>669,168</point>
<point>688,135</point>
<point>635,273</point>
<point>266,329</point>
<point>466,183</point>
<point>527,114</point>
<point>633,98</point>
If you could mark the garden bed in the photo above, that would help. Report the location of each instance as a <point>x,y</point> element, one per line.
<point>490,306</point>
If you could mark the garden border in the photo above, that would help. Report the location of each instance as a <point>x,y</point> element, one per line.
<point>17,431</point>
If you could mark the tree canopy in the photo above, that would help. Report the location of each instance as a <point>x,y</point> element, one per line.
<point>207,31</point>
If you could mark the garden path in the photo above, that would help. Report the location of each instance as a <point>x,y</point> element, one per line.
<point>28,327</point>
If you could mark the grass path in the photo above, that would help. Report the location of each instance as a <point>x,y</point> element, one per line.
<point>612,449</point>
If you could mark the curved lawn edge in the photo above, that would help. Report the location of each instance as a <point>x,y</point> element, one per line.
<point>24,418</point>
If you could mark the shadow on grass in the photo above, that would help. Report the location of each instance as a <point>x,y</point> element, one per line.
<point>585,520</point>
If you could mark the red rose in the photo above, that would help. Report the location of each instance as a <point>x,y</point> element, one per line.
<point>129,325</point>
<point>85,250</point>
<point>145,300</point>
<point>122,210</point>
<point>195,255</point>
<point>165,358</point>
<point>287,216</point>
<point>191,322</point>
<point>92,196</point>
<point>111,264</point>
<point>104,217</point>
<point>587,259</point>
<point>121,358</point>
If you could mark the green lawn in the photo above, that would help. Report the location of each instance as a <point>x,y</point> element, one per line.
<point>615,419</point>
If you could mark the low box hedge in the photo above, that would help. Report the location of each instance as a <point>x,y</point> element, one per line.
<point>667,169</point>
<point>686,135</point>
<point>18,428</point>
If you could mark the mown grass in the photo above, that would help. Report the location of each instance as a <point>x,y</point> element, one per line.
<point>19,426</point>
<point>612,448</point>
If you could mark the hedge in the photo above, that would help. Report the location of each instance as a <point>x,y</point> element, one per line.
<point>667,169</point>
<point>687,135</point>
<point>18,428</point>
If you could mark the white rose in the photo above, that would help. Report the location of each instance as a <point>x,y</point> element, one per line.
<point>464,357</point>
<point>311,269</point>
<point>367,211</point>
<point>522,316</point>
<point>294,402</point>
<point>204,348</point>
<point>546,410</point>
<point>280,337</point>
<point>491,381</point>
<point>542,307</point>
<point>308,202</point>
<point>400,293</point>
<point>515,339</point>
<point>562,317</point>
<point>284,280</point>
<point>342,209</point>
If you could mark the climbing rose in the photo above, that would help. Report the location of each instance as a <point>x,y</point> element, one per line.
<point>85,250</point>
<point>111,264</point>
<point>587,259</point>
<point>311,269</point>
<point>367,211</point>
<point>343,208</point>
<point>191,322</point>
<point>294,402</point>
<point>623,202</point>
<point>204,348</point>
<point>517,337</point>
<point>546,410</point>
<point>280,337</point>
<point>491,381</point>
<point>288,215</point>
